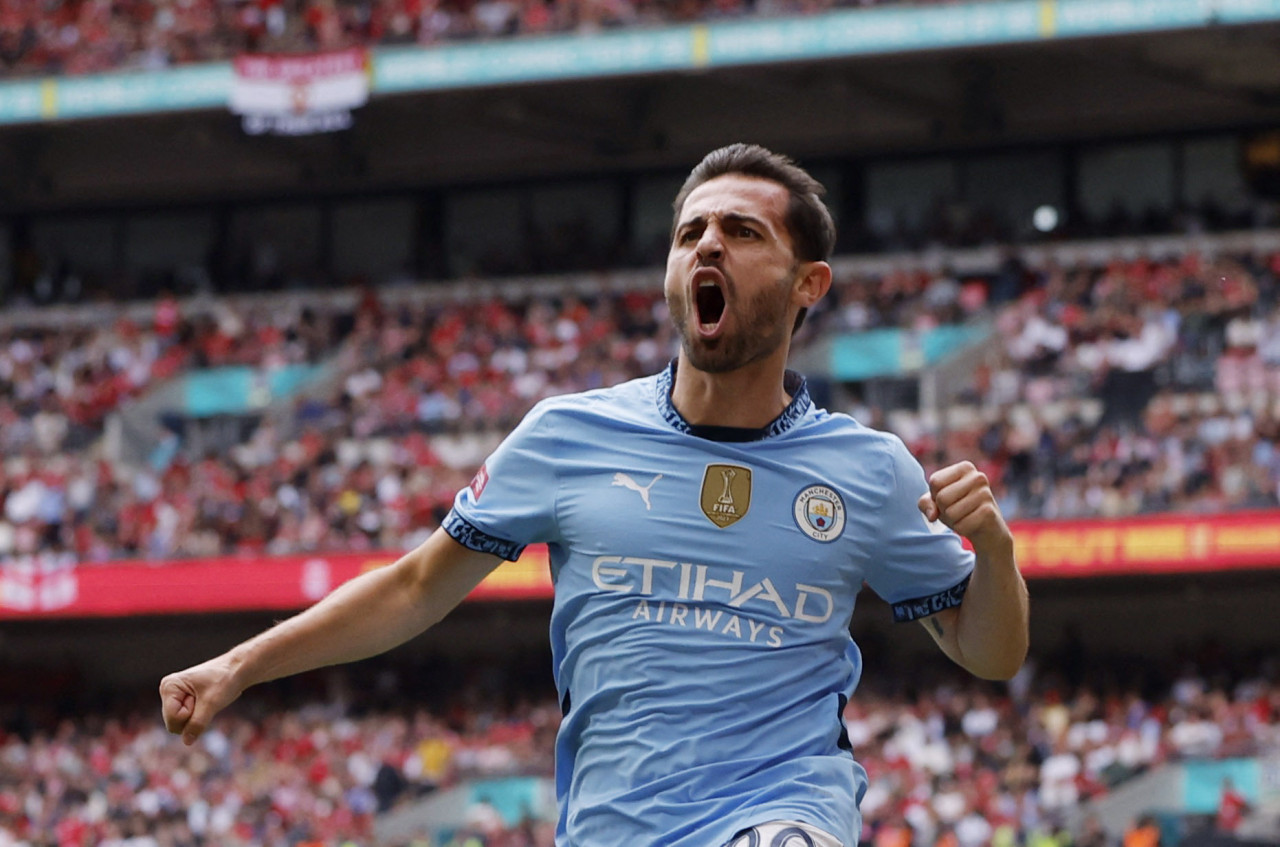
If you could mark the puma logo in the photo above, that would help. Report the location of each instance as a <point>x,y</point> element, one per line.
<point>643,490</point>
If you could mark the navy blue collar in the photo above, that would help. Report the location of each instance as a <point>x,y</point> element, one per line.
<point>793,382</point>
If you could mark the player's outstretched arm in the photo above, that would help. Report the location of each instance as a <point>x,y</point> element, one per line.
<point>368,615</point>
<point>987,634</point>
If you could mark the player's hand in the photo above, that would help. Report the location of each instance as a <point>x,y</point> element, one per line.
<point>189,699</point>
<point>960,496</point>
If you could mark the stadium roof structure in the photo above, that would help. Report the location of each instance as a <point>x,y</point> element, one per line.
<point>855,82</point>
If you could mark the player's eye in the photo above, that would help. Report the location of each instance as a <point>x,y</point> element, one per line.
<point>687,235</point>
<point>747,232</point>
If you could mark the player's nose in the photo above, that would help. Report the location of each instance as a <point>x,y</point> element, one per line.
<point>711,245</point>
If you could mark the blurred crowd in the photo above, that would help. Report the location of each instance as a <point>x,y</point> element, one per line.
<point>313,775</point>
<point>421,394</point>
<point>952,763</point>
<point>1132,388</point>
<point>1135,387</point>
<point>90,36</point>
<point>970,767</point>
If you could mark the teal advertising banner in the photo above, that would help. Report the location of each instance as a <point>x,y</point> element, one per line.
<point>530,60</point>
<point>103,95</point>
<point>515,798</point>
<point>856,356</point>
<point>1202,789</point>
<point>22,102</point>
<point>239,390</point>
<point>190,87</point>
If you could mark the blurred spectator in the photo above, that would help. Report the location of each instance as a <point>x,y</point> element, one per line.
<point>1144,832</point>
<point>1232,807</point>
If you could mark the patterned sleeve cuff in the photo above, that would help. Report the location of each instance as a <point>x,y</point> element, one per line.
<point>923,607</point>
<point>471,536</point>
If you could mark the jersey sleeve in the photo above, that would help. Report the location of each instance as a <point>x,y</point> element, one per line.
<point>921,567</point>
<point>511,501</point>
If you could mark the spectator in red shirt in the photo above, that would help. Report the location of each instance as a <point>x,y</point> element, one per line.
<point>1232,807</point>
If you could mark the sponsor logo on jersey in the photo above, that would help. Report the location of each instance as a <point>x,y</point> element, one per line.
<point>819,512</point>
<point>720,600</point>
<point>647,577</point>
<point>726,493</point>
<point>627,481</point>
<point>479,481</point>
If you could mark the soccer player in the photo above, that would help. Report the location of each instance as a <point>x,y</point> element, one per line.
<point>709,530</point>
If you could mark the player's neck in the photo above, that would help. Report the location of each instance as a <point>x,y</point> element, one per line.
<point>749,397</point>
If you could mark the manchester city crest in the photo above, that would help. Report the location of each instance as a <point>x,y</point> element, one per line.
<point>819,512</point>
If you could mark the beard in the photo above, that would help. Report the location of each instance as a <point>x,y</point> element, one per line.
<point>760,326</point>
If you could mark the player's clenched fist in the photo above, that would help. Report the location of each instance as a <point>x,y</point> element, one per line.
<point>189,699</point>
<point>960,496</point>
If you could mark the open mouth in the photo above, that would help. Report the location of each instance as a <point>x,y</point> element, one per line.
<point>709,301</point>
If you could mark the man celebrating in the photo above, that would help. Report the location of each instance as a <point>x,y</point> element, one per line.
<point>709,530</point>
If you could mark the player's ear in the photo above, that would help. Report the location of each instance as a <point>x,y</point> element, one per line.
<point>812,283</point>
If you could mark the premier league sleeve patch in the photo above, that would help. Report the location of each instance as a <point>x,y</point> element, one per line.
<point>479,481</point>
<point>819,512</point>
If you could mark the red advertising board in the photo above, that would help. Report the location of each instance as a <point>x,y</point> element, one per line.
<point>1150,545</point>
<point>59,588</point>
<point>50,588</point>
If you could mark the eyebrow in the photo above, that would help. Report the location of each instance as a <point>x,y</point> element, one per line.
<point>731,217</point>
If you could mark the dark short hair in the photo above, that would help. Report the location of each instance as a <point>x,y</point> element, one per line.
<point>808,220</point>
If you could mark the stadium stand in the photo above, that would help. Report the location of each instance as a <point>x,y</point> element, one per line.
<point>1136,387</point>
<point>951,762</point>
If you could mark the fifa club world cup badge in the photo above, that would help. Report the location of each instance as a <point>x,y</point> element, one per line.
<point>726,493</point>
<point>819,512</point>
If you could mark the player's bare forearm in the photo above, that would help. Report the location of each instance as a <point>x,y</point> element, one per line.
<point>987,634</point>
<point>368,615</point>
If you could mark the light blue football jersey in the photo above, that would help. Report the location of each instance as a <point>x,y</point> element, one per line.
<point>705,579</point>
